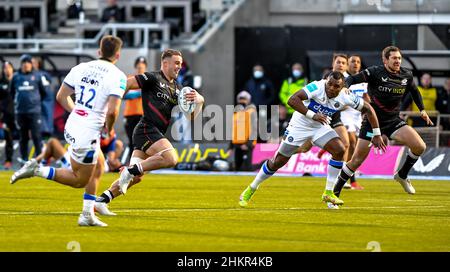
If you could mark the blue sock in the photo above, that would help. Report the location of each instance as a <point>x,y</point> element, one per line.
<point>46,172</point>
<point>262,175</point>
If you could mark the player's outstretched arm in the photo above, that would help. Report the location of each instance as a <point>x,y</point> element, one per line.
<point>355,79</point>
<point>377,140</point>
<point>296,102</point>
<point>132,84</point>
<point>63,97</point>
<point>417,98</point>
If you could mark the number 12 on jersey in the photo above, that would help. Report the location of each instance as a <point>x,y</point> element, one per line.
<point>87,103</point>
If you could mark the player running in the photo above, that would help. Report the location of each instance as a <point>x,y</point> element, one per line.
<point>387,84</point>
<point>314,105</point>
<point>98,87</point>
<point>350,117</point>
<point>340,64</point>
<point>152,150</point>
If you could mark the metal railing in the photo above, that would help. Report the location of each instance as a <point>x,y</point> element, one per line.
<point>80,43</point>
<point>431,135</point>
<point>214,21</point>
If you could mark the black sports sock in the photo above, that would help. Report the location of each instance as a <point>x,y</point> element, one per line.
<point>352,179</point>
<point>408,164</point>
<point>344,175</point>
<point>105,197</point>
<point>135,169</point>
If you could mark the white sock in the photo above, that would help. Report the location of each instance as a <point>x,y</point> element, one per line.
<point>46,172</point>
<point>263,174</point>
<point>333,169</point>
<point>88,204</point>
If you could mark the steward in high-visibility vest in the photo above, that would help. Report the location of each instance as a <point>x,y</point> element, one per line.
<point>244,132</point>
<point>291,85</point>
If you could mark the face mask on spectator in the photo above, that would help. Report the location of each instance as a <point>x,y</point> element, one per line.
<point>296,73</point>
<point>258,74</point>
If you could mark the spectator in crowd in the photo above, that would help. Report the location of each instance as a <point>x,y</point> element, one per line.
<point>295,82</point>
<point>7,111</point>
<point>28,90</point>
<point>133,105</point>
<point>429,96</point>
<point>443,103</point>
<point>48,102</point>
<point>113,13</point>
<point>74,10</point>
<point>261,89</point>
<point>244,132</point>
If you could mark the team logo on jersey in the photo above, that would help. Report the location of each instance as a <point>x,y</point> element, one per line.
<point>384,79</point>
<point>336,105</point>
<point>404,82</point>
<point>162,85</point>
<point>290,139</point>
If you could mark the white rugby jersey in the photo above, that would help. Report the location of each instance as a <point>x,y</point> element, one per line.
<point>351,114</point>
<point>93,83</point>
<point>318,101</point>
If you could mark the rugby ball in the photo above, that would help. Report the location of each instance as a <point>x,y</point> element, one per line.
<point>186,106</point>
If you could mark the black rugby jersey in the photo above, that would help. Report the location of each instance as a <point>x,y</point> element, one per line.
<point>386,90</point>
<point>158,98</point>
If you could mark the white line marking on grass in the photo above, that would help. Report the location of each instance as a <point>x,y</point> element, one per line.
<point>255,209</point>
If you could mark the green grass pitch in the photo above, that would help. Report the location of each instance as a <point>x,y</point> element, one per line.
<point>201,213</point>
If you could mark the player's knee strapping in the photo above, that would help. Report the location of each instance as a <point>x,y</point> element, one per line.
<point>164,150</point>
<point>136,168</point>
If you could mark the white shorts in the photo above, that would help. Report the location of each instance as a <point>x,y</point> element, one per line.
<point>320,136</point>
<point>352,120</point>
<point>84,144</point>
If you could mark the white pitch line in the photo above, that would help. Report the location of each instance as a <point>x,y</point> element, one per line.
<point>136,211</point>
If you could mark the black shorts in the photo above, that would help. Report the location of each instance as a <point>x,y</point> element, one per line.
<point>387,127</point>
<point>144,135</point>
<point>336,120</point>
